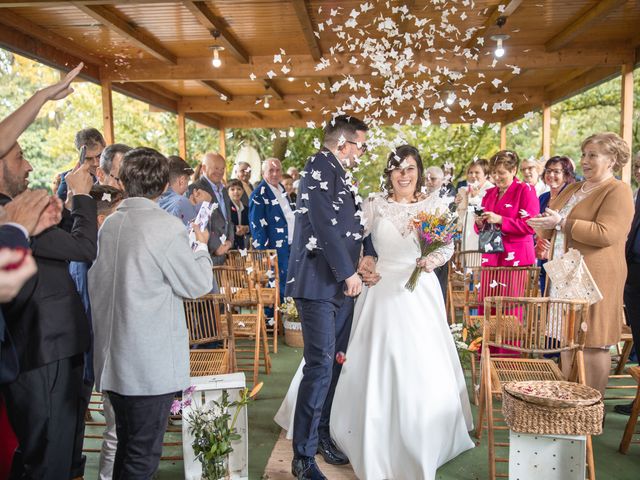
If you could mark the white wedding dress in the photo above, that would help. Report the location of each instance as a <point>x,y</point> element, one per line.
<point>401,408</point>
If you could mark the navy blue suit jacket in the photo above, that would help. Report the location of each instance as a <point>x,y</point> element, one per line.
<point>328,236</point>
<point>266,219</point>
<point>10,237</point>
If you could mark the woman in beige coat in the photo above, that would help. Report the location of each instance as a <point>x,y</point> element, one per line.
<point>594,217</point>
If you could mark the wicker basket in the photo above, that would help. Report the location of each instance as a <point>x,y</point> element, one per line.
<point>557,394</point>
<point>527,417</point>
<point>293,334</point>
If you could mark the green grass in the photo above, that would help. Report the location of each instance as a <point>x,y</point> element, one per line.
<point>471,465</point>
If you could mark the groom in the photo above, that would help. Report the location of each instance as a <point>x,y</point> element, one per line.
<point>323,281</point>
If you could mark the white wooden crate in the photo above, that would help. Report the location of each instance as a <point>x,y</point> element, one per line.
<point>207,389</point>
<point>548,457</point>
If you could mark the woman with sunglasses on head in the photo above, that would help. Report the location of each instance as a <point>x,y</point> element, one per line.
<point>558,173</point>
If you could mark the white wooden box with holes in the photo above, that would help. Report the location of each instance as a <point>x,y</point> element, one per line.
<point>207,389</point>
<point>548,457</point>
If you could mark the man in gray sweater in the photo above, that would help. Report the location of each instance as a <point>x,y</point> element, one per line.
<point>145,266</point>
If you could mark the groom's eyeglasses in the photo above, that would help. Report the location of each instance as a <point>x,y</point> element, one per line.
<point>361,146</point>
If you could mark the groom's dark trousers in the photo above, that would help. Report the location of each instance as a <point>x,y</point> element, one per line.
<point>326,327</point>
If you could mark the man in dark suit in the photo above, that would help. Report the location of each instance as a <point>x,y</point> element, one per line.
<point>323,280</point>
<point>270,217</point>
<point>632,286</point>
<point>50,331</point>
<point>221,228</point>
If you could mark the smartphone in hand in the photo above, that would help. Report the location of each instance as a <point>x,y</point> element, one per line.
<point>478,210</point>
<point>83,154</point>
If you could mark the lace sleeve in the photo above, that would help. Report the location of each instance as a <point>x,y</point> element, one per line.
<point>440,256</point>
<point>368,213</point>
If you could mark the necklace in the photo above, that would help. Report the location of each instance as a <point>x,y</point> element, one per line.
<point>589,190</point>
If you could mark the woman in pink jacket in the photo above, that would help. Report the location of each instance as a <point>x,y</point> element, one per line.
<point>508,206</point>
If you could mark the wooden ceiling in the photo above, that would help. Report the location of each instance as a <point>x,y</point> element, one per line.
<point>159,52</point>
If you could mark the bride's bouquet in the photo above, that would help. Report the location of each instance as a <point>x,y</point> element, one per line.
<point>434,230</point>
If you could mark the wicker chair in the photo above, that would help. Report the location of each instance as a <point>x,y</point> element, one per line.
<point>207,323</point>
<point>630,429</point>
<point>472,284</point>
<point>530,327</point>
<point>456,285</point>
<point>243,297</point>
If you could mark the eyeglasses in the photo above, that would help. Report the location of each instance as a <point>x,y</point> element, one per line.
<point>554,170</point>
<point>361,146</point>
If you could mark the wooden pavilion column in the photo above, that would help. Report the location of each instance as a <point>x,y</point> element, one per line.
<point>107,111</point>
<point>546,131</point>
<point>503,136</point>
<point>626,115</point>
<point>182,135</point>
<point>222,146</point>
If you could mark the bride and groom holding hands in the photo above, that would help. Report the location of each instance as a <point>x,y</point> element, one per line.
<point>398,407</point>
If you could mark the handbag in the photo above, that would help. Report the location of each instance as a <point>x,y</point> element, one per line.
<point>490,239</point>
<point>572,279</point>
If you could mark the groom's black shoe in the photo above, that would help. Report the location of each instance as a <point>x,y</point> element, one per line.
<point>331,453</point>
<point>624,409</point>
<point>305,468</point>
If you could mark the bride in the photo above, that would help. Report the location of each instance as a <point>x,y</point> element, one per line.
<point>401,408</point>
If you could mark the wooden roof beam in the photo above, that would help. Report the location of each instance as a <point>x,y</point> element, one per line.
<point>112,19</point>
<point>48,3</point>
<point>256,115</point>
<point>300,7</point>
<point>271,88</point>
<point>318,102</point>
<point>587,80</point>
<point>303,67</point>
<point>562,79</point>
<point>504,9</point>
<point>217,89</point>
<point>207,19</point>
<point>207,120</point>
<point>579,25</point>
<point>296,114</point>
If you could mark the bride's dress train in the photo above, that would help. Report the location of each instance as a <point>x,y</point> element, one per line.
<point>401,407</point>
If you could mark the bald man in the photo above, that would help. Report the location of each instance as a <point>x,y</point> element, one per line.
<point>220,224</point>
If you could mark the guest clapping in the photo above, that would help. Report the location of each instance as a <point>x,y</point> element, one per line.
<point>594,217</point>
<point>507,207</point>
<point>144,268</point>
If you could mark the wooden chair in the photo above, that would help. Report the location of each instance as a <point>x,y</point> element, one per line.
<point>207,323</point>
<point>456,285</point>
<point>630,429</point>
<point>476,283</point>
<point>243,299</point>
<point>265,266</point>
<point>530,327</point>
<point>623,354</point>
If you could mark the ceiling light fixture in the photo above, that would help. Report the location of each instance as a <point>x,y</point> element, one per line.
<point>451,98</point>
<point>291,79</point>
<point>216,61</point>
<point>266,101</point>
<point>291,132</point>
<point>500,51</point>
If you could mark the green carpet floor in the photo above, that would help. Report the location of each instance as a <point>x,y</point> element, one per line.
<point>471,465</point>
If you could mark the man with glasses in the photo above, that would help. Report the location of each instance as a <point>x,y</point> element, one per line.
<point>323,279</point>
<point>94,142</point>
<point>109,168</point>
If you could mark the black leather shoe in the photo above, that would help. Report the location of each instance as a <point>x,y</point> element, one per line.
<point>305,468</point>
<point>623,409</point>
<point>331,453</point>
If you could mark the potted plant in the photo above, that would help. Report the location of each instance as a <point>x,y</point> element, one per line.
<point>292,325</point>
<point>214,429</point>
